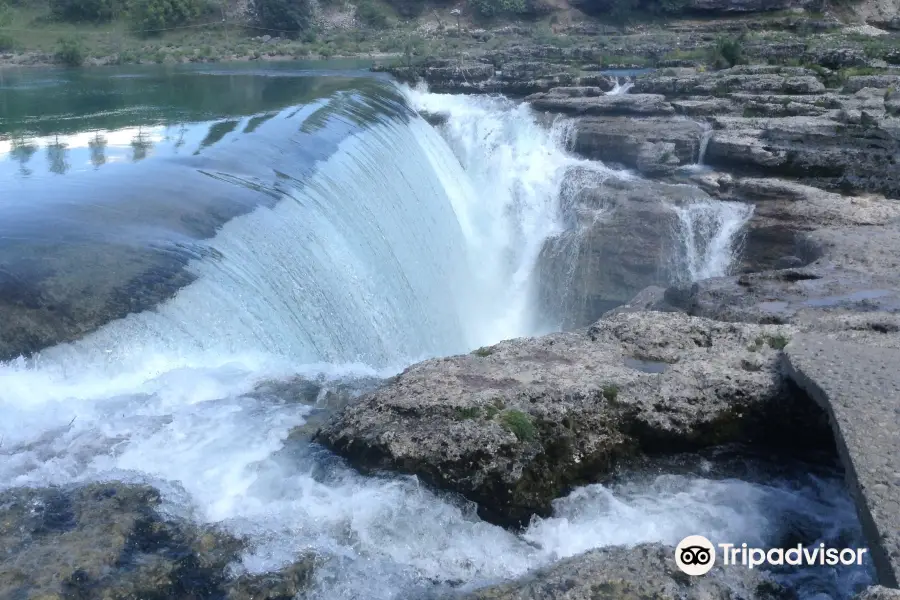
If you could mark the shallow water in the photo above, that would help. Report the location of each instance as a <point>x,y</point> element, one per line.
<point>217,233</point>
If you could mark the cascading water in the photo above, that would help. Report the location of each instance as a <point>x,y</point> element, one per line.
<point>399,245</point>
<point>620,88</point>
<point>709,237</point>
<point>705,136</point>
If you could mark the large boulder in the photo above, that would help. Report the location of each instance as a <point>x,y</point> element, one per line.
<point>622,236</point>
<point>644,571</point>
<point>513,426</point>
<point>107,540</point>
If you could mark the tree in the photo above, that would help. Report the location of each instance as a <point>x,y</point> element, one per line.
<point>95,11</point>
<point>150,16</point>
<point>292,16</point>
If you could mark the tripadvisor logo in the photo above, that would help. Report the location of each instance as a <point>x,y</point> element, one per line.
<point>696,555</point>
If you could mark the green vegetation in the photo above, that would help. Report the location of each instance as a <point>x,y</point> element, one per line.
<point>150,17</point>
<point>519,424</point>
<point>292,16</point>
<point>94,11</point>
<point>777,341</point>
<point>70,51</point>
<point>483,351</point>
<point>624,11</point>
<point>493,8</point>
<point>373,15</point>
<point>728,52</point>
<point>611,392</point>
<point>467,413</point>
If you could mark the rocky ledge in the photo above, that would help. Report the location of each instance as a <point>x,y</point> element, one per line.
<point>516,425</point>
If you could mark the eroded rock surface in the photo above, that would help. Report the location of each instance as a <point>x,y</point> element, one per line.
<point>513,426</point>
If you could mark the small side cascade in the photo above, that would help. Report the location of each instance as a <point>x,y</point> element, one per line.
<point>620,88</point>
<point>705,136</point>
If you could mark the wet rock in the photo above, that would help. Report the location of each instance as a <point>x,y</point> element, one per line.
<point>617,104</point>
<point>285,584</point>
<point>107,540</point>
<point>879,592</point>
<point>622,140</point>
<point>619,573</point>
<point>622,236</point>
<point>513,426</point>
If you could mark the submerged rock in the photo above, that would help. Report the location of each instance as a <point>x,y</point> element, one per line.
<point>107,540</point>
<point>644,571</point>
<point>513,426</point>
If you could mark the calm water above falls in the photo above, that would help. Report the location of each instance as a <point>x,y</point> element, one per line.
<point>195,233</point>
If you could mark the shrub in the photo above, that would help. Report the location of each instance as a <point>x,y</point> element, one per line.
<point>70,51</point>
<point>611,392</point>
<point>95,11</point>
<point>483,351</point>
<point>293,16</point>
<point>492,8</point>
<point>7,43</point>
<point>728,52</point>
<point>467,413</point>
<point>519,424</point>
<point>777,342</point>
<point>372,14</point>
<point>150,16</point>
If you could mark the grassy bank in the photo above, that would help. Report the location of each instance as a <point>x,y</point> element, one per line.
<point>31,35</point>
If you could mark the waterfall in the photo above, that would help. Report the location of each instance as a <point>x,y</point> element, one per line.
<point>705,136</point>
<point>620,88</point>
<point>709,236</point>
<point>395,242</point>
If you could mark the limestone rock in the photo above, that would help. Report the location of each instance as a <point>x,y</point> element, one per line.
<point>513,426</point>
<point>618,104</point>
<point>622,236</point>
<point>621,140</point>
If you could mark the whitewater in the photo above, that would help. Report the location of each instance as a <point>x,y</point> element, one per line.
<point>408,242</point>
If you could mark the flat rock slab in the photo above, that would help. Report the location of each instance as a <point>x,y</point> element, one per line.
<point>859,386</point>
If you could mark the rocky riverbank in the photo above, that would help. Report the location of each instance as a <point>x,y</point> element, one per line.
<point>813,150</point>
